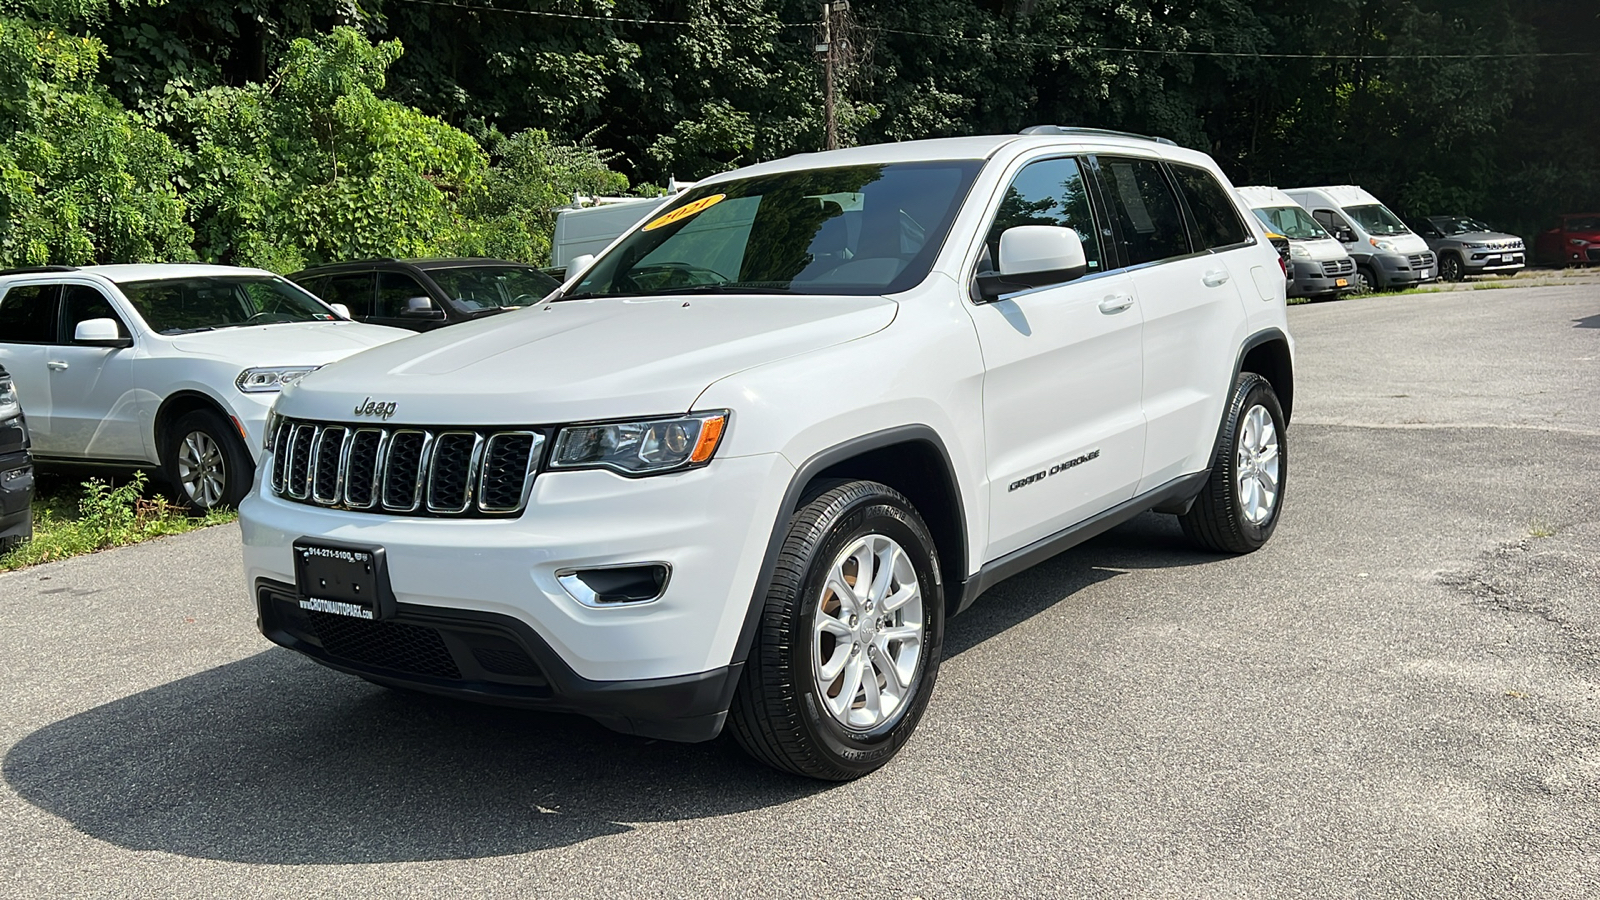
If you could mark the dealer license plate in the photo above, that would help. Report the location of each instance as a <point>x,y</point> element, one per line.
<point>1341,282</point>
<point>343,579</point>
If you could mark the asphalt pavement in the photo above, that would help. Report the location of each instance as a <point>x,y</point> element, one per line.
<point>1398,697</point>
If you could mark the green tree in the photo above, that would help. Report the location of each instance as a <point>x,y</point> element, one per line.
<point>81,179</point>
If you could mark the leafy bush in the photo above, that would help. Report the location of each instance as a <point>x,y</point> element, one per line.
<point>514,209</point>
<point>106,516</point>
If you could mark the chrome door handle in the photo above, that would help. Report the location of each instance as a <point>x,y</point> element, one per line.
<point>1115,303</point>
<point>1215,278</point>
<point>57,364</point>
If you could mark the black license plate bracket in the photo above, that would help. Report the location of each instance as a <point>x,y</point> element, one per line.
<point>343,578</point>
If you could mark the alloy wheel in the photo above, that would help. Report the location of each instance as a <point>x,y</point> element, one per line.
<point>201,469</point>
<point>1257,465</point>
<point>867,634</point>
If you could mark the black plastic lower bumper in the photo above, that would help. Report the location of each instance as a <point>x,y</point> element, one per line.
<point>492,658</point>
<point>16,496</point>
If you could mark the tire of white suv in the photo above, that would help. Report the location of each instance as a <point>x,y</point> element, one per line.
<point>1238,510</point>
<point>849,641</point>
<point>205,461</point>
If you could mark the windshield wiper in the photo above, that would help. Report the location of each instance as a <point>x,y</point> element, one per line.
<point>189,330</point>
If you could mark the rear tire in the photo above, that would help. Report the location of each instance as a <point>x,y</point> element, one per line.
<point>1238,509</point>
<point>206,462</point>
<point>839,675</point>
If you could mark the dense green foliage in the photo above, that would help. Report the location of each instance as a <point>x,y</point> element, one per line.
<point>282,132</point>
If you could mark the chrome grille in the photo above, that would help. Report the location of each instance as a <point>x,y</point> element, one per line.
<point>404,470</point>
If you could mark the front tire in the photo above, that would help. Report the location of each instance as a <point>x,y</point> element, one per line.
<point>205,461</point>
<point>1451,269</point>
<point>1239,507</point>
<point>850,637</point>
<point>1366,281</point>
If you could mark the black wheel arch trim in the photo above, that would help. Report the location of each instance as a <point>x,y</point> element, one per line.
<point>807,472</point>
<point>1285,398</point>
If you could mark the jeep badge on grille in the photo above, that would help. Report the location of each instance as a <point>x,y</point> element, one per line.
<point>370,407</point>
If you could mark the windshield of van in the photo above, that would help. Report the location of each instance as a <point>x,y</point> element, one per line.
<point>869,229</point>
<point>1376,220</point>
<point>181,305</point>
<point>1292,222</point>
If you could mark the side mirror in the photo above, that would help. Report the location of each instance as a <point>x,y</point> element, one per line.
<point>421,308</point>
<point>579,263</point>
<point>1343,235</point>
<point>1034,256</point>
<point>100,333</point>
<point>342,310</point>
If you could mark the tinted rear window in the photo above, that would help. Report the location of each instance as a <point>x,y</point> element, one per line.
<point>1216,219</point>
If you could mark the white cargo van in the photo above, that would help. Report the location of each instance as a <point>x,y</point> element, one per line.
<point>1387,253</point>
<point>587,230</point>
<point>1318,264</point>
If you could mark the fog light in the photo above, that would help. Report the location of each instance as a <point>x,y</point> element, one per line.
<point>607,586</point>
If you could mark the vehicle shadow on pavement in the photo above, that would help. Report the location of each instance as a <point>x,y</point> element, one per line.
<point>1149,541</point>
<point>274,759</point>
<point>1587,322</point>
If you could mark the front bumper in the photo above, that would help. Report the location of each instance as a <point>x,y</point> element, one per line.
<point>711,525</point>
<point>16,496</point>
<point>1313,278</point>
<point>1480,262</point>
<point>1395,269</point>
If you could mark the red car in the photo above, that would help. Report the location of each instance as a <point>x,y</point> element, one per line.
<point>1574,242</point>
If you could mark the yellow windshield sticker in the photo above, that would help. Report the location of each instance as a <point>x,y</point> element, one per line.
<point>684,212</point>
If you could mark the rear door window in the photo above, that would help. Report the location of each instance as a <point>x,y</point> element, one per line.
<point>1146,211</point>
<point>28,314</point>
<point>1216,219</point>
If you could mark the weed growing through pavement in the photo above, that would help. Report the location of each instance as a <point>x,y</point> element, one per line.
<point>98,515</point>
<point>1541,530</point>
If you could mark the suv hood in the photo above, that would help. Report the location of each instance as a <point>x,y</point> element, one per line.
<point>1484,237</point>
<point>287,343</point>
<point>579,360</point>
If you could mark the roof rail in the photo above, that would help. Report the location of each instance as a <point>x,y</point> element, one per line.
<point>29,270</point>
<point>1105,132</point>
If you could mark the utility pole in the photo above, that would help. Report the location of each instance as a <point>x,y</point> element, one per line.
<point>834,45</point>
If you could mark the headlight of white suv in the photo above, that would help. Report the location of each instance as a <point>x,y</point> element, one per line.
<point>10,407</point>
<point>269,379</point>
<point>643,447</point>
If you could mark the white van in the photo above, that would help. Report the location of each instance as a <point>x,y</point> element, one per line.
<point>1318,264</point>
<point>1387,253</point>
<point>587,230</point>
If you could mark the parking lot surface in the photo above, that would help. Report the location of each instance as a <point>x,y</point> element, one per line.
<point>1398,697</point>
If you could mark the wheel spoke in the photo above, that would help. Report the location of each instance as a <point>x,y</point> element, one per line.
<point>828,670</point>
<point>848,601</point>
<point>881,576</point>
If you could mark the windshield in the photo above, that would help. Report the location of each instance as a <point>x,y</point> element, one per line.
<point>1583,223</point>
<point>1451,225</point>
<point>178,305</point>
<point>1376,220</point>
<point>1292,222</point>
<point>491,287</point>
<point>871,229</point>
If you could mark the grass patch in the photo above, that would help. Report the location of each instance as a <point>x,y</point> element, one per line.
<point>74,519</point>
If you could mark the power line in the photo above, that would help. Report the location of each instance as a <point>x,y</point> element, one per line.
<point>1006,41</point>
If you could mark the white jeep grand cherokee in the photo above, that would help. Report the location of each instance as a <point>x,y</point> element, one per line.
<point>744,466</point>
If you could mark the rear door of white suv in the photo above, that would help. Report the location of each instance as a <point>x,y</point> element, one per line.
<point>1063,428</point>
<point>1192,309</point>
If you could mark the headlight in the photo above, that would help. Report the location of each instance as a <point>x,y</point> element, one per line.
<point>1579,241</point>
<point>10,407</point>
<point>1477,246</point>
<point>644,447</point>
<point>270,379</point>
<point>1385,246</point>
<point>1298,252</point>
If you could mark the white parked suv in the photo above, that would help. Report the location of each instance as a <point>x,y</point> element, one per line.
<point>744,466</point>
<point>164,365</point>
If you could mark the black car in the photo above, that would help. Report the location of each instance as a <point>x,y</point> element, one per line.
<point>16,469</point>
<point>423,294</point>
